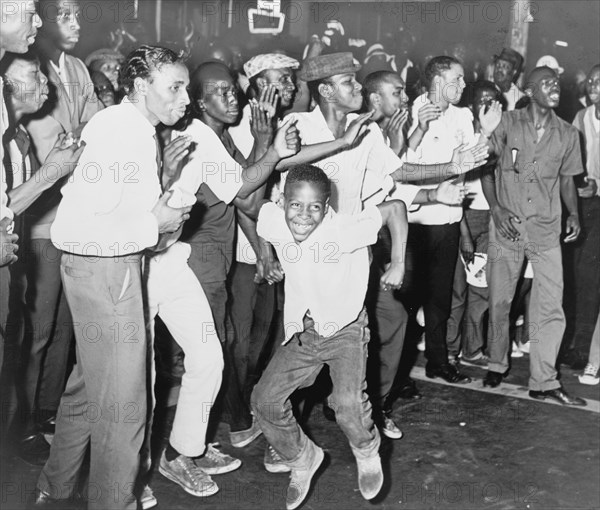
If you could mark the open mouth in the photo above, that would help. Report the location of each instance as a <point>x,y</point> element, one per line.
<point>554,96</point>
<point>301,228</point>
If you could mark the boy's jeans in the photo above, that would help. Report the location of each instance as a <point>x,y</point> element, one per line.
<point>296,365</point>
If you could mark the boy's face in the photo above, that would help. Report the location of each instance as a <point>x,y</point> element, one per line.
<point>452,84</point>
<point>305,207</point>
<point>345,91</point>
<point>166,95</point>
<point>544,87</point>
<point>220,98</point>
<point>30,85</point>
<point>19,24</point>
<point>482,100</point>
<point>283,80</point>
<point>592,86</point>
<point>393,96</point>
<point>62,26</point>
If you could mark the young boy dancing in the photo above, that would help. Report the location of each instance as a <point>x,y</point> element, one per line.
<point>326,262</point>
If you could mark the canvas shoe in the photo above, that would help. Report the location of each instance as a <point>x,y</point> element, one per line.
<point>147,498</point>
<point>245,437</point>
<point>188,476</point>
<point>300,481</point>
<point>389,428</point>
<point>370,476</point>
<point>590,375</point>
<point>215,462</point>
<point>273,462</point>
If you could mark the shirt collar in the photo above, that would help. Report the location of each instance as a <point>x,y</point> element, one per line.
<point>138,117</point>
<point>526,116</point>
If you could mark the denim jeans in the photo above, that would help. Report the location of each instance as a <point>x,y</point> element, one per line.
<point>302,359</point>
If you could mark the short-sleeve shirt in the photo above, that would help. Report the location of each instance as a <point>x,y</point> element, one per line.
<point>347,169</point>
<point>216,178</point>
<point>327,274</point>
<point>533,194</point>
<point>453,128</point>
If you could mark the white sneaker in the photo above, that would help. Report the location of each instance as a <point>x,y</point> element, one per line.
<point>245,437</point>
<point>215,462</point>
<point>590,375</point>
<point>390,429</point>
<point>516,351</point>
<point>147,499</point>
<point>421,344</point>
<point>273,462</point>
<point>370,476</point>
<point>188,476</point>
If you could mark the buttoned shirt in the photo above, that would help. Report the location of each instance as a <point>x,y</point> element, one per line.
<point>533,193</point>
<point>107,202</point>
<point>327,274</point>
<point>454,127</point>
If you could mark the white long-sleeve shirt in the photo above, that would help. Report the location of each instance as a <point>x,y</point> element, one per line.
<point>107,203</point>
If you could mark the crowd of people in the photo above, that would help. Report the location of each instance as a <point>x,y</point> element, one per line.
<point>239,227</point>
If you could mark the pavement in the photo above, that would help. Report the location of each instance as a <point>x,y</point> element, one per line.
<point>464,447</point>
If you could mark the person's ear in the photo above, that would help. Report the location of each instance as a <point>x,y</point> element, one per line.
<point>325,89</point>
<point>261,83</point>
<point>326,208</point>
<point>375,99</point>
<point>529,89</point>
<point>140,85</point>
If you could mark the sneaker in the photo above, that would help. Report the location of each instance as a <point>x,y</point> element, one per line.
<point>480,360</point>
<point>245,437</point>
<point>370,476</point>
<point>185,473</point>
<point>273,462</point>
<point>524,347</point>
<point>215,462</point>
<point>421,344</point>
<point>590,375</point>
<point>516,351</point>
<point>300,481</point>
<point>147,499</point>
<point>389,428</point>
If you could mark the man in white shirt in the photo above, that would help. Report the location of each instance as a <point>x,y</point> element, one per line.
<point>434,228</point>
<point>507,69</point>
<point>111,211</point>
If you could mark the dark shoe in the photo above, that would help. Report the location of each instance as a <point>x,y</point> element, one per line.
<point>559,395</point>
<point>447,372</point>
<point>493,379</point>
<point>48,426</point>
<point>329,413</point>
<point>34,450</point>
<point>573,359</point>
<point>409,391</point>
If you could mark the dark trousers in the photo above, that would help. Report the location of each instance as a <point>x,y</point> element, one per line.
<point>431,260</point>
<point>387,322</point>
<point>48,330</point>
<point>583,295</point>
<point>252,311</point>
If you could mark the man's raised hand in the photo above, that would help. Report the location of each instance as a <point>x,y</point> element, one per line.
<point>287,139</point>
<point>469,158</point>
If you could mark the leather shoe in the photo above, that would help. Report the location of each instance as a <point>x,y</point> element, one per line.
<point>493,379</point>
<point>447,372</point>
<point>408,391</point>
<point>34,450</point>
<point>559,395</point>
<point>48,426</point>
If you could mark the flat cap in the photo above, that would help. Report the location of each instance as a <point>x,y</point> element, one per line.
<point>324,66</point>
<point>512,56</point>
<point>265,61</point>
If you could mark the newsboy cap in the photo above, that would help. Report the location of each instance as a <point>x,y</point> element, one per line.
<point>512,56</point>
<point>324,66</point>
<point>259,63</point>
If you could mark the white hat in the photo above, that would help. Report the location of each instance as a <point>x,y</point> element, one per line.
<point>551,62</point>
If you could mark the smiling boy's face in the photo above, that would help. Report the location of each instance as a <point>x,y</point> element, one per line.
<point>305,206</point>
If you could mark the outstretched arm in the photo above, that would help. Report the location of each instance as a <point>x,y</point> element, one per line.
<point>393,213</point>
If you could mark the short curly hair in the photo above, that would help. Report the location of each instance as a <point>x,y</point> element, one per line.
<point>143,61</point>
<point>437,65</point>
<point>311,174</point>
